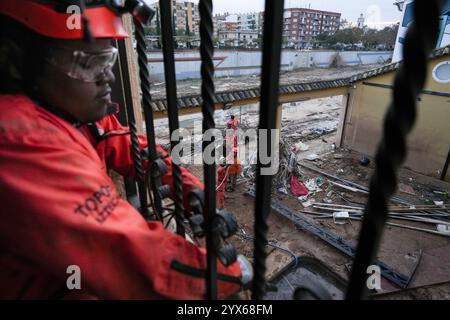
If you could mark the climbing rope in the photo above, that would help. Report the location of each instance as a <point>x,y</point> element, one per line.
<point>398,122</point>
<point>209,170</point>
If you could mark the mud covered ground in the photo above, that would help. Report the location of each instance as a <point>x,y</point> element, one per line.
<point>314,124</point>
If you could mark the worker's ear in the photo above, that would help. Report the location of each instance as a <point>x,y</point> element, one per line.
<point>11,59</point>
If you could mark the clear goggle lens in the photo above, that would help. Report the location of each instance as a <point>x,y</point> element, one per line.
<point>86,66</point>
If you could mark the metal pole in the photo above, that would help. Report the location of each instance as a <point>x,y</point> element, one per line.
<point>209,170</point>
<point>273,27</point>
<point>447,162</point>
<point>172,108</point>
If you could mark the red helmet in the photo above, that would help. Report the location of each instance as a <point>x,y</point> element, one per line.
<point>43,18</point>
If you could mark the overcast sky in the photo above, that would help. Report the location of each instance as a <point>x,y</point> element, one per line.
<point>377,12</point>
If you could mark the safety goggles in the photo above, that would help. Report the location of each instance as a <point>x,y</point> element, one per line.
<point>81,65</point>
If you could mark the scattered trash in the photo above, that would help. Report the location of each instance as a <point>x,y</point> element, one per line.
<point>338,156</point>
<point>312,157</point>
<point>303,198</point>
<point>444,229</point>
<point>406,189</point>
<point>341,217</point>
<point>364,161</point>
<point>340,171</point>
<point>297,188</point>
<point>347,187</point>
<point>282,190</point>
<point>439,203</point>
<point>300,146</point>
<point>319,181</point>
<point>443,194</point>
<point>313,185</point>
<point>327,200</point>
<point>333,146</point>
<point>308,203</point>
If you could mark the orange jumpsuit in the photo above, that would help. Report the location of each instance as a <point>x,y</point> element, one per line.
<point>221,185</point>
<point>60,208</point>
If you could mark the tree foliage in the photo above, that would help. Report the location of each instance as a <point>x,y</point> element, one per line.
<point>367,38</point>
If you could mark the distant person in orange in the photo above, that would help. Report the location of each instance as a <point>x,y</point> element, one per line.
<point>234,171</point>
<point>233,122</point>
<point>221,183</point>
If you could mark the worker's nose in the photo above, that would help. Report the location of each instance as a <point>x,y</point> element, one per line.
<point>107,77</point>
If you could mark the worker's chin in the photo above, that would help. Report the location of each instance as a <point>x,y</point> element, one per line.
<point>100,110</point>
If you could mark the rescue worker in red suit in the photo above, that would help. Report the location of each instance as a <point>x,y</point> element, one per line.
<point>233,123</point>
<point>221,183</point>
<point>59,206</point>
<point>234,171</point>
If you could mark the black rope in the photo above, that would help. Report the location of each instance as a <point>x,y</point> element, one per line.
<point>172,108</point>
<point>273,26</point>
<point>209,170</point>
<point>398,122</point>
<point>144,76</point>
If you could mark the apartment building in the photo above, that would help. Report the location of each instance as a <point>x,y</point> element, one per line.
<point>185,15</point>
<point>302,25</point>
<point>248,21</point>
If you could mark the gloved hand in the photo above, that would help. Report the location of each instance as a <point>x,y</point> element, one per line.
<point>246,270</point>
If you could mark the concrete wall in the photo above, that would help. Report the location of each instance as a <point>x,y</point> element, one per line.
<point>239,63</point>
<point>429,142</point>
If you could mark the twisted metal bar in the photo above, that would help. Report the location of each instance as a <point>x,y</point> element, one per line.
<point>135,152</point>
<point>209,170</point>
<point>273,26</point>
<point>148,112</point>
<point>171,94</point>
<point>137,160</point>
<point>399,121</point>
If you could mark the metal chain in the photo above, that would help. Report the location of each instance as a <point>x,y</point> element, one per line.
<point>398,122</point>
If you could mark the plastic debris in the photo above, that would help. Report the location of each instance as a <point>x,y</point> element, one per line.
<point>340,217</point>
<point>442,194</point>
<point>312,157</point>
<point>439,203</point>
<point>443,228</point>
<point>364,161</point>
<point>406,189</point>
<point>282,190</point>
<point>303,198</point>
<point>300,146</point>
<point>297,188</point>
<point>308,203</point>
<point>312,185</point>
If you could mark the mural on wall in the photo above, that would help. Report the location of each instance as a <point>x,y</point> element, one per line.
<point>407,19</point>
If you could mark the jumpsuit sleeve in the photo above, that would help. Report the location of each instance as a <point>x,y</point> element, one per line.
<point>60,208</point>
<point>115,147</point>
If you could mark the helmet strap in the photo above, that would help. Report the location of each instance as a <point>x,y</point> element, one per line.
<point>86,25</point>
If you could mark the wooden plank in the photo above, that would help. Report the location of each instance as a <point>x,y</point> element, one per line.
<point>133,72</point>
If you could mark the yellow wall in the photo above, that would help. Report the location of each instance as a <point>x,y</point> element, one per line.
<point>428,143</point>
